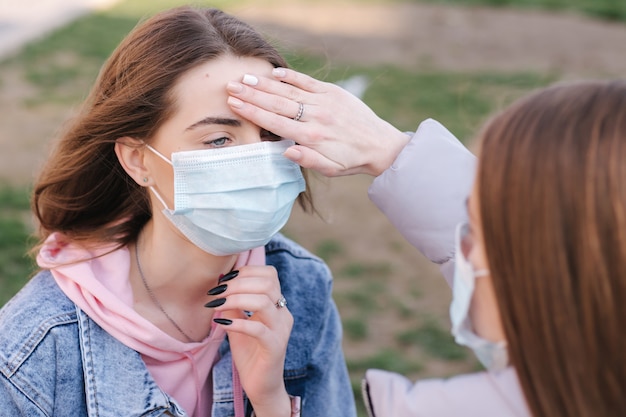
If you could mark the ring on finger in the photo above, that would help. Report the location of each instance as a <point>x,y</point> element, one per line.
<point>300,112</point>
<point>281,303</point>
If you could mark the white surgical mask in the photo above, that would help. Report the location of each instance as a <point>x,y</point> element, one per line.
<point>493,355</point>
<point>232,199</point>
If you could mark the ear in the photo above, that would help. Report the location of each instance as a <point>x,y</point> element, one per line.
<point>130,152</point>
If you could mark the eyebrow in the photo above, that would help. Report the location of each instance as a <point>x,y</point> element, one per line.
<point>224,121</point>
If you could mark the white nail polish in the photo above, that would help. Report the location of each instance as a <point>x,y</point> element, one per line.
<point>250,79</point>
<point>279,72</point>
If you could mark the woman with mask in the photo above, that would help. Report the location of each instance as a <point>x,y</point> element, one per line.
<point>165,288</point>
<point>536,268</point>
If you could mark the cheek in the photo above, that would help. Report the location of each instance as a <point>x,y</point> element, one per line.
<point>163,182</point>
<point>478,256</point>
<point>484,312</point>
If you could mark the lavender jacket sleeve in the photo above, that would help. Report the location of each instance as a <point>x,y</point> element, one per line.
<point>423,193</point>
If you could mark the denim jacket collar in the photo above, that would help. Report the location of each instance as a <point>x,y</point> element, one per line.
<point>106,360</point>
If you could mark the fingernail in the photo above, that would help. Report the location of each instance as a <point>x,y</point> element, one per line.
<point>234,87</point>
<point>235,102</point>
<point>279,72</point>
<point>225,322</point>
<point>229,276</point>
<point>250,79</point>
<point>293,154</point>
<point>215,303</point>
<point>217,290</point>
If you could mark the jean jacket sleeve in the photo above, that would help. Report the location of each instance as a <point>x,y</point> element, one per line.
<point>329,389</point>
<point>315,368</point>
<point>423,193</point>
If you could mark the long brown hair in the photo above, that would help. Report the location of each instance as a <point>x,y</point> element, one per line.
<point>552,192</point>
<point>83,190</point>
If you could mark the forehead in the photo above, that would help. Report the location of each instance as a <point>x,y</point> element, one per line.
<point>208,80</point>
<point>201,91</point>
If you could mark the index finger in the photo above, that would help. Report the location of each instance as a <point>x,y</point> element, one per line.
<point>269,120</point>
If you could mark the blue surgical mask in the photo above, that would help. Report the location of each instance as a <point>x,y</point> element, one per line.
<point>493,355</point>
<point>232,199</point>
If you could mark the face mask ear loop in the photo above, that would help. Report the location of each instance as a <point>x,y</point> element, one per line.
<point>156,194</point>
<point>159,154</point>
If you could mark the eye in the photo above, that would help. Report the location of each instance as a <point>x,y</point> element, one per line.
<point>218,143</point>
<point>269,136</point>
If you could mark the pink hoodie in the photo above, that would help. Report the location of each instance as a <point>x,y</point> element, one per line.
<point>99,285</point>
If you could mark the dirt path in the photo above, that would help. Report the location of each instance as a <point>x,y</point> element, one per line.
<point>448,38</point>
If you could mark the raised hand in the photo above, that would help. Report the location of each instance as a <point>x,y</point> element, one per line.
<point>258,342</point>
<point>337,134</point>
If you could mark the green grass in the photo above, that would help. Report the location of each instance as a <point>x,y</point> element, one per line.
<point>434,340</point>
<point>604,9</point>
<point>15,265</point>
<point>362,270</point>
<point>385,359</point>
<point>366,297</point>
<point>614,10</point>
<point>355,329</point>
<point>328,249</point>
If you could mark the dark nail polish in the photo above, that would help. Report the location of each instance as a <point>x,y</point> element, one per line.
<point>229,276</point>
<point>217,290</point>
<point>215,303</point>
<point>225,322</point>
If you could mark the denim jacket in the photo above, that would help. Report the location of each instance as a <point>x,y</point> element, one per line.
<point>56,361</point>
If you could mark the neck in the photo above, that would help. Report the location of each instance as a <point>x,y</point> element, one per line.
<point>175,269</point>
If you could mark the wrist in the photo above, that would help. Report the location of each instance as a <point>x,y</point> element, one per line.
<point>280,405</point>
<point>393,143</point>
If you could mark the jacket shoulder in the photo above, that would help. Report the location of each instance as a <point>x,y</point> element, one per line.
<point>297,267</point>
<point>30,315</point>
<point>306,284</point>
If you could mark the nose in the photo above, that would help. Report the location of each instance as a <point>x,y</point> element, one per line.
<point>254,134</point>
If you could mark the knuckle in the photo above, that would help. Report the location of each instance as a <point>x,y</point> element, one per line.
<point>293,94</point>
<point>276,124</point>
<point>315,137</point>
<point>276,105</point>
<point>325,117</point>
<point>267,286</point>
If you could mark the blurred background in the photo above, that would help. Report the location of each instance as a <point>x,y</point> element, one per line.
<point>455,61</point>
